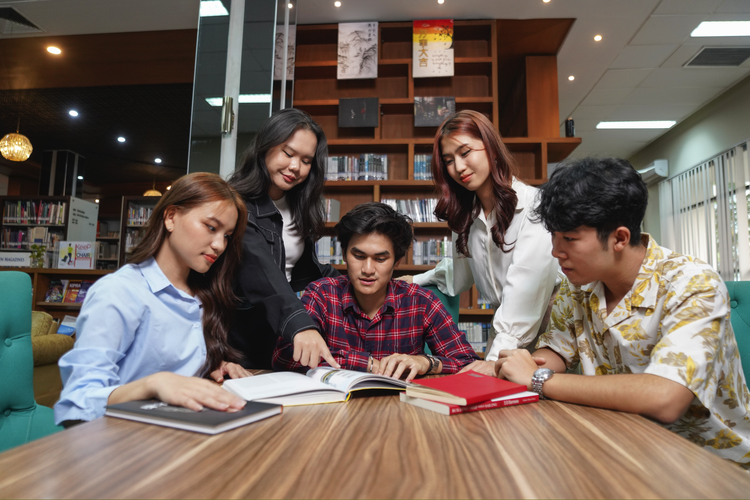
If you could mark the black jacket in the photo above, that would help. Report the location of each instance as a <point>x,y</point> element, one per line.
<point>269,307</point>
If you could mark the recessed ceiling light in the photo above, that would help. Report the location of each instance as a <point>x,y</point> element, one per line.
<point>722,28</point>
<point>96,200</point>
<point>169,187</point>
<point>290,6</point>
<point>337,4</point>
<point>244,99</point>
<point>54,50</point>
<point>545,1</point>
<point>571,78</point>
<point>80,177</point>
<point>121,139</point>
<point>635,124</point>
<point>157,160</point>
<point>73,112</point>
<point>598,38</point>
<point>212,8</point>
<point>441,2</point>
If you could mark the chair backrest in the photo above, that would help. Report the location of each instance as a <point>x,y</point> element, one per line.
<point>450,303</point>
<point>21,420</point>
<point>739,301</point>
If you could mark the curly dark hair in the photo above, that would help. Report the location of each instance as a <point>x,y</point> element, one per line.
<point>602,193</point>
<point>375,217</point>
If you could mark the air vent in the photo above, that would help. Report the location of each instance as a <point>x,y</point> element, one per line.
<point>720,56</point>
<point>13,23</point>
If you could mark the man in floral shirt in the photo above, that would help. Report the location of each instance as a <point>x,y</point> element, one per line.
<point>655,321</point>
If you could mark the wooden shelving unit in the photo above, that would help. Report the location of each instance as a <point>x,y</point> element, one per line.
<point>130,229</point>
<point>523,106</point>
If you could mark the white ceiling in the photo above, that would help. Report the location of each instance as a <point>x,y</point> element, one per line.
<point>635,73</point>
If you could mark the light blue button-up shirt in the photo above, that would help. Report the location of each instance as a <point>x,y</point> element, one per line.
<point>133,323</point>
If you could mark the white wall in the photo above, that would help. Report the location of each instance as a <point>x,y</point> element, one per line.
<point>716,127</point>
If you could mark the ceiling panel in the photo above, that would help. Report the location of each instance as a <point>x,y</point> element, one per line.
<point>667,29</point>
<point>642,56</point>
<point>599,97</point>
<point>622,78</point>
<point>677,95</point>
<point>694,77</point>
<point>687,7</point>
<point>634,112</point>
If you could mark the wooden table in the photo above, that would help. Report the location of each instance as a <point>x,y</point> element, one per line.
<point>377,447</point>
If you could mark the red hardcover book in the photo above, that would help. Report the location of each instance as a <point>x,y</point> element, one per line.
<point>463,389</point>
<point>448,409</point>
<point>72,292</point>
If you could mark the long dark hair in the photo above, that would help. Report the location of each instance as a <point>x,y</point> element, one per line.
<point>214,288</point>
<point>252,180</point>
<point>458,205</point>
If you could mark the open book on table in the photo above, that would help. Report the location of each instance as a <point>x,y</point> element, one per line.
<point>320,385</point>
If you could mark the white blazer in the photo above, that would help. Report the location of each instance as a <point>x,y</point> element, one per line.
<point>518,284</point>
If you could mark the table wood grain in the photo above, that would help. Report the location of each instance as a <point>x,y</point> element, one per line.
<point>377,447</point>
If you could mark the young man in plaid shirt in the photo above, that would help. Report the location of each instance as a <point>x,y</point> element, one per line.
<point>372,322</point>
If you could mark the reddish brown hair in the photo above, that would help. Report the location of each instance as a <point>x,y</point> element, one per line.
<point>458,205</point>
<point>214,288</point>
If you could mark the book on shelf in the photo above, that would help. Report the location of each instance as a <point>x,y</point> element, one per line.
<point>432,111</point>
<point>476,334</point>
<point>83,290</point>
<point>520,398</point>
<point>206,421</point>
<point>463,389</point>
<point>138,216</point>
<point>71,292</point>
<point>365,167</point>
<point>422,167</point>
<point>328,250</point>
<point>331,209</point>
<point>430,252</point>
<point>359,112</point>
<point>34,212</point>
<point>422,210</point>
<point>320,385</point>
<point>56,291</point>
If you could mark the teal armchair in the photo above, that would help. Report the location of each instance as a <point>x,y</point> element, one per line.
<point>739,301</point>
<point>450,303</point>
<point>21,419</point>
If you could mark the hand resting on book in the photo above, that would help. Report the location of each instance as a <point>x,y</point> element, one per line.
<point>189,392</point>
<point>232,369</point>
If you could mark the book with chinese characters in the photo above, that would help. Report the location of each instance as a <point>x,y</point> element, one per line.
<point>321,385</point>
<point>463,389</point>
<point>448,409</point>
<point>206,421</point>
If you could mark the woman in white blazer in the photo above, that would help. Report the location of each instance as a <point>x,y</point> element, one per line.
<point>497,244</point>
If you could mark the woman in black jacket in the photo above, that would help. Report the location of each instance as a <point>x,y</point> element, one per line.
<point>281,180</point>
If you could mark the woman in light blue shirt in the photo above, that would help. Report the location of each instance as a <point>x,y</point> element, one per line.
<point>159,324</point>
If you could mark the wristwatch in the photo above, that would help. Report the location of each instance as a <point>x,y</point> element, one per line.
<point>539,378</point>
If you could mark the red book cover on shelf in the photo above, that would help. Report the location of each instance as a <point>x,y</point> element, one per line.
<point>463,389</point>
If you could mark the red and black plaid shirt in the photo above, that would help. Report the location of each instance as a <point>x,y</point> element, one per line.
<point>409,317</point>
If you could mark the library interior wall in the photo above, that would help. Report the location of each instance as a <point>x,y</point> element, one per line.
<point>3,185</point>
<point>719,125</point>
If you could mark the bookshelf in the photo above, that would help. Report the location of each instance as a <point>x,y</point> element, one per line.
<point>135,213</point>
<point>522,105</point>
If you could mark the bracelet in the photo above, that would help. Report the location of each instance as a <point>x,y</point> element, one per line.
<point>432,361</point>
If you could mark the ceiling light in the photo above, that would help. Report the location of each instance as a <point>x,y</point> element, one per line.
<point>121,139</point>
<point>545,1</point>
<point>152,191</point>
<point>80,177</point>
<point>73,112</point>
<point>212,8</point>
<point>15,147</point>
<point>157,160</point>
<point>722,28</point>
<point>169,187</point>
<point>337,4</point>
<point>636,125</point>
<point>96,200</point>
<point>244,99</point>
<point>598,38</point>
<point>441,2</point>
<point>54,50</point>
<point>290,6</point>
<point>571,78</point>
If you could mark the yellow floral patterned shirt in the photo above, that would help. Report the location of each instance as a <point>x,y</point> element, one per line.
<point>673,323</point>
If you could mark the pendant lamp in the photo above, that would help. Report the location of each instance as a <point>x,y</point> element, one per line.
<point>16,147</point>
<point>152,191</point>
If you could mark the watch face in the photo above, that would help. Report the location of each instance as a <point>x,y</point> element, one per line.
<point>543,374</point>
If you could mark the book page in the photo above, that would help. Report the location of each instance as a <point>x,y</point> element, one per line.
<point>350,380</point>
<point>270,385</point>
